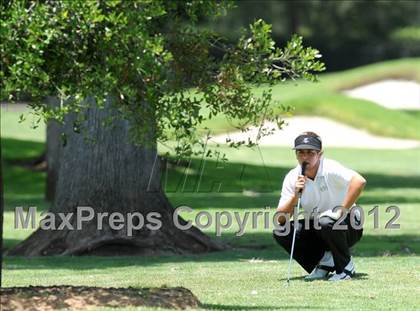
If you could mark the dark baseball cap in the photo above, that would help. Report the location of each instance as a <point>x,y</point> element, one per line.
<point>307,142</point>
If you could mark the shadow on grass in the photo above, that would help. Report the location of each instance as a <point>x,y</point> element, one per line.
<point>359,276</point>
<point>233,307</point>
<point>257,248</point>
<point>412,112</point>
<point>23,186</point>
<point>8,243</point>
<point>14,149</point>
<point>234,177</point>
<point>215,188</point>
<point>234,201</point>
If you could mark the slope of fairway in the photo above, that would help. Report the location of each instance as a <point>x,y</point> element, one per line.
<point>325,98</point>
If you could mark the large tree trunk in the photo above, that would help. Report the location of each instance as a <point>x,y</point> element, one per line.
<point>54,143</point>
<point>100,168</point>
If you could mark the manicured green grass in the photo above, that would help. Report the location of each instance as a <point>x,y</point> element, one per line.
<point>252,274</point>
<point>233,281</point>
<point>27,129</point>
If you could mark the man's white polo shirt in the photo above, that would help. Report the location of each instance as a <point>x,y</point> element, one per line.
<point>325,192</point>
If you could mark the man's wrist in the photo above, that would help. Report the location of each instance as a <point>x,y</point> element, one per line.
<point>344,209</point>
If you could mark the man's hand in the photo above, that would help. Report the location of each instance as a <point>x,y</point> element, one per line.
<point>333,214</point>
<point>300,184</point>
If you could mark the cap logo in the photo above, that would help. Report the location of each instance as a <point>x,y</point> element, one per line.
<point>308,142</point>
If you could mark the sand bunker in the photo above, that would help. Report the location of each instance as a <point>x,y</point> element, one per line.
<point>334,134</point>
<point>392,94</point>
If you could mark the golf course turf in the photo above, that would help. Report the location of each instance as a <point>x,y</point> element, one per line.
<point>251,274</point>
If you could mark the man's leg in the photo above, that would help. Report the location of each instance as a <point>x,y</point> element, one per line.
<point>338,241</point>
<point>309,248</point>
<point>354,235</point>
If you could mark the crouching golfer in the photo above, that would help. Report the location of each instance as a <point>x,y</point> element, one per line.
<point>328,191</point>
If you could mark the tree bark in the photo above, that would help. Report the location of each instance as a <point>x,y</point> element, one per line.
<point>100,168</point>
<point>54,142</point>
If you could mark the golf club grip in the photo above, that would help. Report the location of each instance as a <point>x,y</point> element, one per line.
<point>304,165</point>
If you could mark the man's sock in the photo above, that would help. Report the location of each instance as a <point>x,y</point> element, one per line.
<point>327,259</point>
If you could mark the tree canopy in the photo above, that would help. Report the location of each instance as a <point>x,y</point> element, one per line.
<point>162,69</point>
<point>348,33</point>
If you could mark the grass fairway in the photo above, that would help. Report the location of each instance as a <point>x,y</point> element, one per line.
<point>325,99</point>
<point>252,274</point>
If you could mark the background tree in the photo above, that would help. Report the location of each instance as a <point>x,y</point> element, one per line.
<point>52,155</point>
<point>129,74</point>
<point>348,33</point>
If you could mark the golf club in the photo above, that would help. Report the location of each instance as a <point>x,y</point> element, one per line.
<point>304,164</point>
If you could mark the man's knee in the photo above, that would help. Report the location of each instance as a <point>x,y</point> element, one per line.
<point>278,234</point>
<point>326,223</point>
<point>281,236</point>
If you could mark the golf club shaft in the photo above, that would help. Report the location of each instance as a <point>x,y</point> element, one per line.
<point>295,216</point>
<point>293,243</point>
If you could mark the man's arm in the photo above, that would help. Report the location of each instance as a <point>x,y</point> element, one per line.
<point>357,183</point>
<point>288,206</point>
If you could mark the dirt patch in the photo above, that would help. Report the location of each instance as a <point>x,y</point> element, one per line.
<point>81,298</point>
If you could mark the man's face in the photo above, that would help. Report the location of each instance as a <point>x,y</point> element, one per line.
<point>310,156</point>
